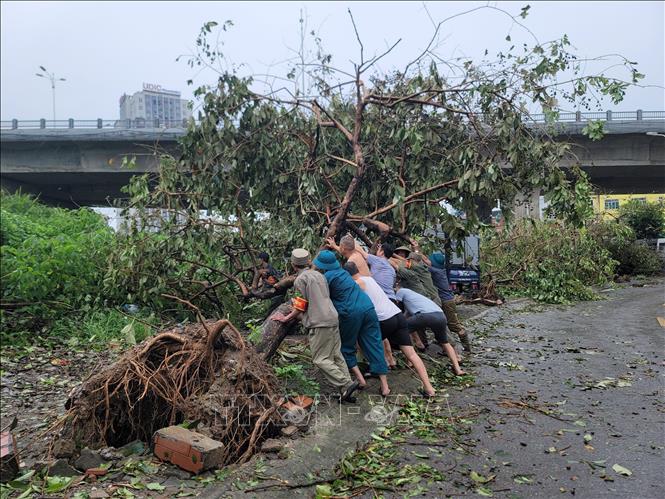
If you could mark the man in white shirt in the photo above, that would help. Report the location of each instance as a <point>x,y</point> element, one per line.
<point>394,328</point>
<point>424,313</point>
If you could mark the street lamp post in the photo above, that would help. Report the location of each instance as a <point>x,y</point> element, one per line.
<point>50,76</point>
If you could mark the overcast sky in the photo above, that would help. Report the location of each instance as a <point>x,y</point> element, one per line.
<point>104,49</point>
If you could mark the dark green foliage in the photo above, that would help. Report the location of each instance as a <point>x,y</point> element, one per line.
<point>636,258</point>
<point>549,261</point>
<point>53,260</point>
<point>646,219</point>
<point>280,169</point>
<point>619,239</point>
<point>296,381</point>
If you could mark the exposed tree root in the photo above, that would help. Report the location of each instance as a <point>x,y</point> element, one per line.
<point>203,372</point>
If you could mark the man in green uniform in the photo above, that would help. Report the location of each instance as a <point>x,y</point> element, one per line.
<point>319,317</point>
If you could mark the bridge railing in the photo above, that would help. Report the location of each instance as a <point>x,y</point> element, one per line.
<point>98,124</point>
<point>578,116</point>
<point>564,117</point>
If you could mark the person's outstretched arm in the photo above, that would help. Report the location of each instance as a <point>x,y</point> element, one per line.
<point>330,242</point>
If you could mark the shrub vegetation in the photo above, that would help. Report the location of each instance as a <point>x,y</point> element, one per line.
<point>547,260</point>
<point>53,260</point>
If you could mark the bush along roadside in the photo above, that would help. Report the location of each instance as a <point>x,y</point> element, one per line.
<point>53,261</point>
<point>646,219</point>
<point>548,261</point>
<point>633,257</point>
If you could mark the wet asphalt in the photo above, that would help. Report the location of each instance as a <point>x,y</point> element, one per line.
<point>562,394</point>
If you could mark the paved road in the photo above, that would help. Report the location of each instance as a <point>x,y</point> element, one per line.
<point>598,367</point>
<point>545,377</point>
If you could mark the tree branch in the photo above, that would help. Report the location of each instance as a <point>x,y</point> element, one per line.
<point>411,197</point>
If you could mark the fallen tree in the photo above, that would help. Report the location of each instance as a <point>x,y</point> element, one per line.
<point>334,150</point>
<point>372,153</point>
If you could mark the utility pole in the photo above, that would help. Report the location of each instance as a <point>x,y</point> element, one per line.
<point>52,77</point>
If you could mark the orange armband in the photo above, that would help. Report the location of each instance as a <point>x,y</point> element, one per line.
<point>299,303</point>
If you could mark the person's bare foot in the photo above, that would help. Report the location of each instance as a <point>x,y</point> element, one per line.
<point>425,394</point>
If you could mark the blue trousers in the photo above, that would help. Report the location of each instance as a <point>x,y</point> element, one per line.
<point>363,328</point>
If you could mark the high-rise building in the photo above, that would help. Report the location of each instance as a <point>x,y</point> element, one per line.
<point>154,103</point>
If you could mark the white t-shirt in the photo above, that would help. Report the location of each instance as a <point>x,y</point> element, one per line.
<point>385,309</point>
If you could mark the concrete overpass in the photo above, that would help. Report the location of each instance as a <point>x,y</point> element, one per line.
<point>79,166</point>
<point>69,164</point>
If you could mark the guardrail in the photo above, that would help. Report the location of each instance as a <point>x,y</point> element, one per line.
<point>577,117</point>
<point>94,124</point>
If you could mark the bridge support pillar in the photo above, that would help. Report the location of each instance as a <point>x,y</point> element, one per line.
<point>527,206</point>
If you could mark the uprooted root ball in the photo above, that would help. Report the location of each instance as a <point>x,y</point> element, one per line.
<point>203,373</point>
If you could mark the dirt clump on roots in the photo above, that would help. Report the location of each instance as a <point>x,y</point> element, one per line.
<point>204,373</point>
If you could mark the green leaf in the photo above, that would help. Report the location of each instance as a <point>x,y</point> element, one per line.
<point>323,491</point>
<point>521,479</point>
<point>621,470</point>
<point>28,492</point>
<point>480,478</point>
<point>484,491</point>
<point>588,438</point>
<point>57,483</point>
<point>128,334</point>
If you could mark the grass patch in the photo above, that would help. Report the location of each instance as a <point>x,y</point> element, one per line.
<point>95,330</point>
<point>296,381</point>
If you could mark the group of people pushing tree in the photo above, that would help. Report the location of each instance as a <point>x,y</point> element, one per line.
<point>375,302</point>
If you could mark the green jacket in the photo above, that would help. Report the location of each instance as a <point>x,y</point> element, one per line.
<point>418,279</point>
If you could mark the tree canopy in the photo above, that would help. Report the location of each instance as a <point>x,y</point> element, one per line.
<point>287,160</point>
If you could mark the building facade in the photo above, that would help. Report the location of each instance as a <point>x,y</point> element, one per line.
<point>155,103</point>
<point>608,205</point>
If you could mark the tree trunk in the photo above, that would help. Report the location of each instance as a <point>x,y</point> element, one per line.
<point>274,332</point>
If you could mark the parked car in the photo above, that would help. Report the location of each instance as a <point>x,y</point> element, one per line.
<point>463,264</point>
<point>462,261</point>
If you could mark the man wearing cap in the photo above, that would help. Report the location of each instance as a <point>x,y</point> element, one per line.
<point>413,275</point>
<point>358,322</point>
<point>436,264</point>
<point>320,318</point>
<point>402,252</point>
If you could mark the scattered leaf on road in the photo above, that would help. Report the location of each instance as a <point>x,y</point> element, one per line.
<point>621,470</point>
<point>480,478</point>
